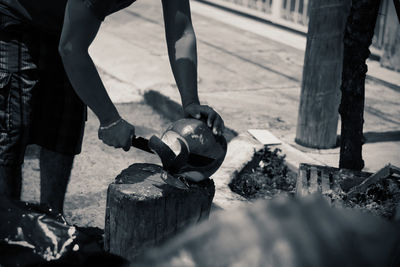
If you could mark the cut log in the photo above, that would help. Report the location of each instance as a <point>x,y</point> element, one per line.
<point>142,211</point>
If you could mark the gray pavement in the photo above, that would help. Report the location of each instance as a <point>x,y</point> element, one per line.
<point>252,77</point>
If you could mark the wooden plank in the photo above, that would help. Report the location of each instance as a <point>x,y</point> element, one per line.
<point>381,174</point>
<point>325,185</point>
<point>313,182</point>
<point>302,183</point>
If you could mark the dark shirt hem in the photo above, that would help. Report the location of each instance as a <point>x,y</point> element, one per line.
<point>93,9</point>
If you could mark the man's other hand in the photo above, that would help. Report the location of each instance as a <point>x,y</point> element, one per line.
<point>118,134</point>
<point>209,115</point>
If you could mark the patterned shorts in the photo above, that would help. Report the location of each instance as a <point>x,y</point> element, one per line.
<point>37,103</point>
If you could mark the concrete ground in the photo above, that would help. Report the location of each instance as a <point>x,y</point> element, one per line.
<point>249,71</point>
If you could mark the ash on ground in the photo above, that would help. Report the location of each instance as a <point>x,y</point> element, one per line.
<point>265,176</point>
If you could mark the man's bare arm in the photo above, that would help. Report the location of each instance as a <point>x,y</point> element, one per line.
<point>181,42</point>
<point>79,30</point>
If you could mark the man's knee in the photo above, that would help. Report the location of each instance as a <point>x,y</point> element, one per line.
<point>55,161</point>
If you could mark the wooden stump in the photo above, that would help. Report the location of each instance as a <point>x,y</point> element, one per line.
<point>142,211</point>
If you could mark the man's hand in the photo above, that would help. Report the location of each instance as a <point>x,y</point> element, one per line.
<point>209,115</point>
<point>118,134</point>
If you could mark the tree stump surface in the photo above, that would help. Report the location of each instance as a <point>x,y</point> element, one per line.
<point>142,210</point>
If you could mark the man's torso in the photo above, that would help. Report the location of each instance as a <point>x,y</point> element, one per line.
<point>48,15</point>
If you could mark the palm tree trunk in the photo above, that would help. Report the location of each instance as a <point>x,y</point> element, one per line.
<point>358,35</point>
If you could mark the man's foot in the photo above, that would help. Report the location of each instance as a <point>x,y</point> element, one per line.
<point>55,170</point>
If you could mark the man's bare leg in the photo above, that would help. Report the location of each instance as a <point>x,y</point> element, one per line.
<point>10,181</point>
<point>55,170</point>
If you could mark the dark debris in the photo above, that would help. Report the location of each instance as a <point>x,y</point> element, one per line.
<point>265,176</point>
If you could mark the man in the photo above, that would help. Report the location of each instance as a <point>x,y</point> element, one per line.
<point>37,104</point>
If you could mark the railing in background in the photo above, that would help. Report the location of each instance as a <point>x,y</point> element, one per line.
<point>294,14</point>
<point>260,5</point>
<point>286,13</point>
<point>380,26</point>
<point>295,11</point>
